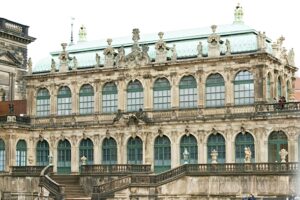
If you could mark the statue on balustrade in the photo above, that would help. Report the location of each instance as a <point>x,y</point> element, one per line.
<point>161,49</point>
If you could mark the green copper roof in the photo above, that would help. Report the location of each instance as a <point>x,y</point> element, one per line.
<point>242,39</point>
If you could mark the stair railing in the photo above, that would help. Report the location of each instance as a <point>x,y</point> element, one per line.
<point>57,191</point>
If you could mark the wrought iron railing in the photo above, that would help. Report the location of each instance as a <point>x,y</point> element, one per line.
<point>26,170</point>
<point>195,170</point>
<point>114,169</point>
<point>57,191</point>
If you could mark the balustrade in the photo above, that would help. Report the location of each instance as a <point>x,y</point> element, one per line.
<point>114,169</point>
<point>26,170</point>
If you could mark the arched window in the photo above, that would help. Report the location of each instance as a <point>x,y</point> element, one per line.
<point>215,91</point>
<point>277,141</point>
<point>109,151</point>
<point>135,151</point>
<point>86,99</point>
<point>279,87</point>
<point>161,94</point>
<point>43,103</point>
<point>243,88</point>
<point>216,142</point>
<point>64,101</point>
<point>109,98</point>
<point>287,92</point>
<point>2,155</point>
<point>64,157</point>
<point>188,92</point>
<point>21,156</point>
<point>42,153</point>
<point>135,96</point>
<point>269,87</point>
<point>190,144</point>
<point>242,141</point>
<point>86,149</point>
<point>162,154</point>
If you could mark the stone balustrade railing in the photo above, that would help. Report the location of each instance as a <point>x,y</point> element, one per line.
<point>195,170</point>
<point>26,170</point>
<point>114,169</point>
<point>13,27</point>
<point>56,190</point>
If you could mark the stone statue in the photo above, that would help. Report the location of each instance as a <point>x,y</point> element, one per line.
<point>109,54</point>
<point>214,42</point>
<point>120,58</point>
<point>97,60</point>
<point>64,58</point>
<point>161,49</point>
<point>75,63</point>
<point>174,53</point>
<point>29,65</point>
<point>186,156</point>
<point>53,66</point>
<point>83,160</point>
<point>283,153</point>
<point>228,47</point>
<point>82,34</point>
<point>247,155</point>
<point>214,156</point>
<point>291,57</point>
<point>144,56</point>
<point>261,41</point>
<point>199,49</point>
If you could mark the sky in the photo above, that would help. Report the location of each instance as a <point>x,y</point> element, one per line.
<point>50,20</point>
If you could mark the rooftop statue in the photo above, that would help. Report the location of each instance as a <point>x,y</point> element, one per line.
<point>64,59</point>
<point>161,49</point>
<point>228,47</point>
<point>261,41</point>
<point>75,63</point>
<point>29,65</point>
<point>97,60</point>
<point>53,66</point>
<point>291,57</point>
<point>200,50</point>
<point>174,53</point>
<point>120,58</point>
<point>109,54</point>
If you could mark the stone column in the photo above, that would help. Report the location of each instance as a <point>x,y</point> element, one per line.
<point>74,155</point>
<point>201,89</point>
<point>97,150</point>
<point>229,149</point>
<point>147,94</point>
<point>53,100</point>
<point>175,151</point>
<point>292,145</point>
<point>200,147</point>
<point>75,98</point>
<point>97,97</point>
<point>174,90</point>
<point>122,95</point>
<point>229,87</point>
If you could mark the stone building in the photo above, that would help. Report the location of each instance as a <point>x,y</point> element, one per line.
<point>196,96</point>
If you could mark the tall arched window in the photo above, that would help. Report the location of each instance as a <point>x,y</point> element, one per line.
<point>162,154</point>
<point>135,96</point>
<point>269,87</point>
<point>216,142</point>
<point>42,153</point>
<point>243,88</point>
<point>64,157</point>
<point>190,144</point>
<point>43,103</point>
<point>2,155</point>
<point>86,99</point>
<point>279,87</point>
<point>64,101</point>
<point>287,91</point>
<point>188,92</point>
<point>242,141</point>
<point>135,151</point>
<point>21,156</point>
<point>277,141</point>
<point>109,98</point>
<point>215,91</point>
<point>161,94</point>
<point>86,149</point>
<point>109,151</point>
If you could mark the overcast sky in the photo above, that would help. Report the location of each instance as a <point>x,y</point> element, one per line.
<point>50,21</point>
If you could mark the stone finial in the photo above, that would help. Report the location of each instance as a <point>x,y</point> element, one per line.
<point>161,35</point>
<point>214,42</point>
<point>199,50</point>
<point>135,35</point>
<point>238,14</point>
<point>109,41</point>
<point>228,47</point>
<point>283,153</point>
<point>29,65</point>
<point>64,58</point>
<point>247,154</point>
<point>261,41</point>
<point>64,45</point>
<point>214,156</point>
<point>82,34</point>
<point>213,28</point>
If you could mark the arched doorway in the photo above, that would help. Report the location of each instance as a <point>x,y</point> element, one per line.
<point>277,141</point>
<point>42,153</point>
<point>162,154</point>
<point>64,157</point>
<point>135,151</point>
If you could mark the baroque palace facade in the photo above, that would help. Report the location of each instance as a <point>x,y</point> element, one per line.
<point>197,96</point>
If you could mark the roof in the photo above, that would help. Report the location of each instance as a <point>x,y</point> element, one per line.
<point>242,39</point>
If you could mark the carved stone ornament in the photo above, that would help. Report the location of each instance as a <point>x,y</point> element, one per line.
<point>53,66</point>
<point>75,63</point>
<point>29,66</point>
<point>228,47</point>
<point>214,156</point>
<point>120,58</point>
<point>214,131</point>
<point>174,53</point>
<point>84,135</point>
<point>41,137</point>
<point>97,57</point>
<point>187,131</point>
<point>283,153</point>
<point>243,131</point>
<point>199,50</point>
<point>107,134</point>
<point>261,41</point>
<point>64,59</point>
<point>160,132</point>
<point>133,134</point>
<point>62,137</point>
<point>247,154</point>
<point>214,42</point>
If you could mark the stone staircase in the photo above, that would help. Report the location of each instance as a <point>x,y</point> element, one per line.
<point>73,189</point>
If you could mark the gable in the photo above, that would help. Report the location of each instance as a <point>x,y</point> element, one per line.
<point>8,58</point>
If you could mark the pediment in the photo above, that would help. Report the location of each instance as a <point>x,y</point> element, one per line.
<point>8,58</point>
